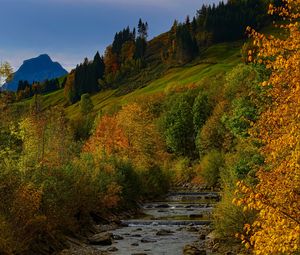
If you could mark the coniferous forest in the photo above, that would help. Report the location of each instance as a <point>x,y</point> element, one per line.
<point>209,108</point>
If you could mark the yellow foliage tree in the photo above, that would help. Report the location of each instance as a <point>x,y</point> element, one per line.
<point>144,141</point>
<point>276,197</point>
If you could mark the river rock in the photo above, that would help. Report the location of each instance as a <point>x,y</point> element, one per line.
<point>216,247</point>
<point>101,239</point>
<point>192,250</point>
<point>134,244</point>
<point>193,216</point>
<point>112,249</point>
<point>148,240</point>
<point>162,206</point>
<point>202,237</point>
<point>136,235</point>
<point>212,238</point>
<point>118,237</point>
<point>192,229</point>
<point>124,225</point>
<point>164,232</point>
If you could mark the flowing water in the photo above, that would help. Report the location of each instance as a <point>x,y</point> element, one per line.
<point>166,226</point>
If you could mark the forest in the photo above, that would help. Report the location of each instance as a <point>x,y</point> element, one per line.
<point>236,132</point>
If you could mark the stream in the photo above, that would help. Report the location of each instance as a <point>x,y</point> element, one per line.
<point>164,228</point>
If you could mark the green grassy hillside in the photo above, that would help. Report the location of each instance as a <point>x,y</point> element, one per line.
<point>214,60</point>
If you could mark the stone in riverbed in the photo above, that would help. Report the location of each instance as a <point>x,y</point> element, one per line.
<point>216,247</point>
<point>162,211</point>
<point>118,237</point>
<point>192,250</point>
<point>148,240</point>
<point>124,225</point>
<point>136,235</point>
<point>202,237</point>
<point>164,232</point>
<point>192,229</point>
<point>162,206</point>
<point>112,249</point>
<point>134,244</point>
<point>193,216</point>
<point>101,239</point>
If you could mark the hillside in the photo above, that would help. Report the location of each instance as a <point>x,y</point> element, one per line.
<point>215,60</point>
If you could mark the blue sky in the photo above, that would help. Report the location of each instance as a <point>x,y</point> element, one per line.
<point>69,30</point>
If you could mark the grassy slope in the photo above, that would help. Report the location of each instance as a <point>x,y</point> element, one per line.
<point>216,59</point>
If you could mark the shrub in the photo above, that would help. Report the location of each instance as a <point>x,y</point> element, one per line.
<point>86,104</point>
<point>154,182</point>
<point>182,171</point>
<point>230,219</point>
<point>212,135</point>
<point>210,166</point>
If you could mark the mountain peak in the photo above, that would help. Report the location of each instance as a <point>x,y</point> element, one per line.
<point>44,56</point>
<point>37,69</point>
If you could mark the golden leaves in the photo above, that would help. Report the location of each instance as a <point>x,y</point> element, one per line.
<point>276,197</point>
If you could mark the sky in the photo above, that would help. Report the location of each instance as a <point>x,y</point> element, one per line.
<point>70,30</point>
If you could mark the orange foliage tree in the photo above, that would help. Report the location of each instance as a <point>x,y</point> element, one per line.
<point>108,138</point>
<point>130,134</point>
<point>276,197</point>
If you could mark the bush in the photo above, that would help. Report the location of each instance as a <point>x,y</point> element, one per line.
<point>230,219</point>
<point>210,167</point>
<point>212,135</point>
<point>86,104</point>
<point>154,182</point>
<point>182,171</point>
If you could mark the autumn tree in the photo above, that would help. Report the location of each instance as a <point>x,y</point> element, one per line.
<point>108,138</point>
<point>144,141</point>
<point>276,197</point>
<point>69,90</point>
<point>6,72</point>
<point>111,62</point>
<point>46,139</point>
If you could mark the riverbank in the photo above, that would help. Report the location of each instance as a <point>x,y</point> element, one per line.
<point>178,224</point>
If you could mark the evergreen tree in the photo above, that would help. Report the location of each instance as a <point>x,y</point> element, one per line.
<point>98,68</point>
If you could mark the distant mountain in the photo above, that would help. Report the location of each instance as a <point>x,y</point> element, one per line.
<point>36,69</point>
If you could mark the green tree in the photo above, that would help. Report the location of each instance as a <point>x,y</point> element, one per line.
<point>70,90</point>
<point>178,127</point>
<point>86,104</point>
<point>201,111</point>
